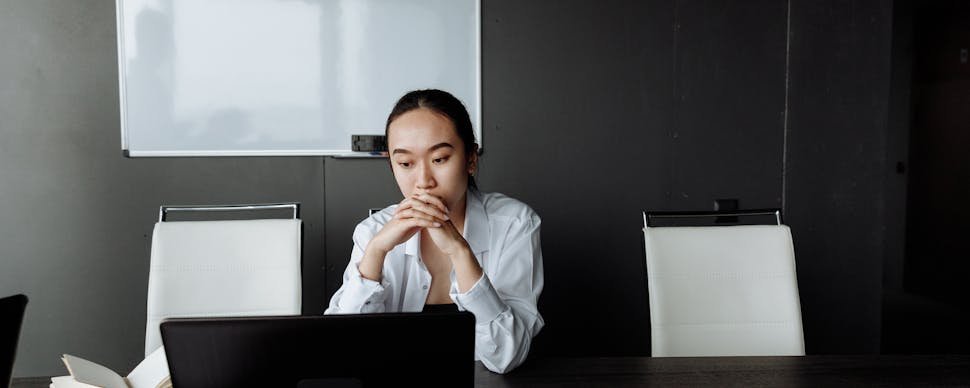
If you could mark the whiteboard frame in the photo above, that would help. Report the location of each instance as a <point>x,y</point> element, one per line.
<point>477,123</point>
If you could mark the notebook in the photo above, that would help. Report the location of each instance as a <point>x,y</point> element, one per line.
<point>355,350</point>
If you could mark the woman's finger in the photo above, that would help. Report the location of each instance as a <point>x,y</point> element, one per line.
<point>420,223</point>
<point>405,204</point>
<point>418,214</point>
<point>411,205</point>
<point>429,208</point>
<point>432,200</point>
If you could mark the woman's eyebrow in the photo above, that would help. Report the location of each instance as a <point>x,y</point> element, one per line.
<point>432,148</point>
<point>440,145</point>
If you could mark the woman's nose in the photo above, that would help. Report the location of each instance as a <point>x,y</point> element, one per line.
<point>425,179</point>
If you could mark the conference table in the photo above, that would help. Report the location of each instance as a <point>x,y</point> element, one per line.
<point>807,371</point>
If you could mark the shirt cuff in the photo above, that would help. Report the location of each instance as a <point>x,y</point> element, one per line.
<point>363,295</point>
<point>481,300</point>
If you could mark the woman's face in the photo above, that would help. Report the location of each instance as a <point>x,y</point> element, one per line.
<point>427,156</point>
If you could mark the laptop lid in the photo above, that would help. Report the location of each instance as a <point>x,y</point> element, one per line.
<point>366,350</point>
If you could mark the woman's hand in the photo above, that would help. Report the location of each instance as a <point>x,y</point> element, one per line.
<point>421,211</point>
<point>411,216</point>
<point>451,242</point>
<point>444,234</point>
<point>448,239</point>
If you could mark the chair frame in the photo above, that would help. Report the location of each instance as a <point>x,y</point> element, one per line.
<point>649,216</point>
<point>165,209</point>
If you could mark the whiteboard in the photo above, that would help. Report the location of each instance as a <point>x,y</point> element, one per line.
<point>285,77</point>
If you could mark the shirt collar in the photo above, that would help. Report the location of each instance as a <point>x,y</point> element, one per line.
<point>411,246</point>
<point>476,226</point>
<point>476,222</point>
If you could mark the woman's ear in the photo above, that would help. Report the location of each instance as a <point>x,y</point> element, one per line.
<point>473,160</point>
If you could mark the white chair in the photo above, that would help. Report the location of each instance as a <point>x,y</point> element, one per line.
<point>223,268</point>
<point>722,290</point>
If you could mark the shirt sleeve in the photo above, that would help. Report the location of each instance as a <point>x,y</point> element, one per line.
<point>504,299</point>
<point>358,294</point>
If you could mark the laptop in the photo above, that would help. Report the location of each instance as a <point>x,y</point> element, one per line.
<point>11,319</point>
<point>357,350</point>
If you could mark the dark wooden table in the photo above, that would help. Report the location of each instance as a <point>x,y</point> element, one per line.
<point>808,371</point>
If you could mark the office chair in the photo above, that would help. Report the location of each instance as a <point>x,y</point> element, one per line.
<point>223,268</point>
<point>722,290</point>
<point>11,319</point>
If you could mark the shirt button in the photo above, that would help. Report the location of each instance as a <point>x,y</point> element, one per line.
<point>424,287</point>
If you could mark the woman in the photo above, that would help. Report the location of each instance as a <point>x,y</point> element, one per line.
<point>447,245</point>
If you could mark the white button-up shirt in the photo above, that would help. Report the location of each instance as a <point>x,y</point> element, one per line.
<point>503,233</point>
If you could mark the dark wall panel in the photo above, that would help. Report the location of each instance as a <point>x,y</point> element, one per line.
<point>729,103</point>
<point>577,107</point>
<point>840,73</point>
<point>358,185</point>
<point>925,308</point>
<point>939,185</point>
<point>596,111</point>
<point>897,143</point>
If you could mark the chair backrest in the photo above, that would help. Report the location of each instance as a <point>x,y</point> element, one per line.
<point>222,269</point>
<point>11,319</point>
<point>723,291</point>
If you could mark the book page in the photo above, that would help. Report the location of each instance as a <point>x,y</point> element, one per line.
<point>68,382</point>
<point>152,372</point>
<point>91,373</point>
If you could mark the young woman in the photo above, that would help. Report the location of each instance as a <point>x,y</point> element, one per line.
<point>447,245</point>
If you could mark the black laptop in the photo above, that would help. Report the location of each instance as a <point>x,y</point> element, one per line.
<point>363,350</point>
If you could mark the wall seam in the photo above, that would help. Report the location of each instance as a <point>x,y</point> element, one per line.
<point>785,129</point>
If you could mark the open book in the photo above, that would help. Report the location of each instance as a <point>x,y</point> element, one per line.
<point>152,372</point>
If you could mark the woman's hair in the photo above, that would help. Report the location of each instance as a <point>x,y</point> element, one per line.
<point>443,103</point>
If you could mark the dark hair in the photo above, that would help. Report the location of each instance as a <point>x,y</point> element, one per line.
<point>443,103</point>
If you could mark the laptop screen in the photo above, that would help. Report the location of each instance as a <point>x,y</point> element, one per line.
<point>365,350</point>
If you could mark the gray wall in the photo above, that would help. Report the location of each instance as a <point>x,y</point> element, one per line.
<point>75,216</point>
<point>593,111</point>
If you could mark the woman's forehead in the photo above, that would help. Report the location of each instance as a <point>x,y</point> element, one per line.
<point>421,129</point>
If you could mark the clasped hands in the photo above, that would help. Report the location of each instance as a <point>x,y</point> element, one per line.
<point>417,212</point>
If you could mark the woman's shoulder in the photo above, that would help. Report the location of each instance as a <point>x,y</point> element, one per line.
<point>498,204</point>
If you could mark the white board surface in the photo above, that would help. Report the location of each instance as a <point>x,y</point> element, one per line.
<point>285,77</point>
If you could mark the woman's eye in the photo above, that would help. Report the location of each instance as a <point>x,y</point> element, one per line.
<point>404,164</point>
<point>439,160</point>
